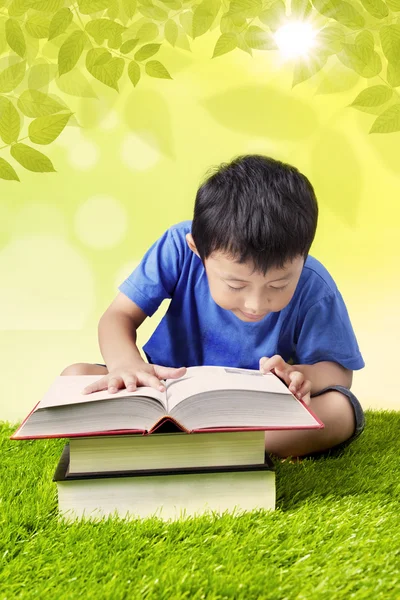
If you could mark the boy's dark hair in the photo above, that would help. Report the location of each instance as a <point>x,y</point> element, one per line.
<point>255,209</point>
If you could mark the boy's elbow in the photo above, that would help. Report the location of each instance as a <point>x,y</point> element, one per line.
<point>348,378</point>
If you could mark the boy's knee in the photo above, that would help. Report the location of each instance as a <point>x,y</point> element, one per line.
<point>78,369</point>
<point>334,410</point>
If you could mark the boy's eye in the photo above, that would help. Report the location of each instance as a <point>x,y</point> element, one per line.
<point>233,288</point>
<point>280,288</point>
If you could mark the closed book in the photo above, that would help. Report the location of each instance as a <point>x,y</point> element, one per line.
<point>169,494</point>
<point>165,451</point>
<point>204,399</point>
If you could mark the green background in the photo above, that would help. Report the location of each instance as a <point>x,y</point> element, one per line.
<point>131,170</point>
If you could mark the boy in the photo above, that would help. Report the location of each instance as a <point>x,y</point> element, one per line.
<point>244,293</point>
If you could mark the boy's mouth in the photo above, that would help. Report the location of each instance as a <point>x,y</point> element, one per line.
<point>253,317</point>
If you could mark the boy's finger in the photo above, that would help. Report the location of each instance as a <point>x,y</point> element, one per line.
<point>114,384</point>
<point>97,386</point>
<point>296,380</point>
<point>152,381</point>
<point>304,390</point>
<point>130,384</point>
<point>275,362</point>
<point>169,372</point>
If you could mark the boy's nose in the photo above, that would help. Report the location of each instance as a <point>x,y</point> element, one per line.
<point>253,306</point>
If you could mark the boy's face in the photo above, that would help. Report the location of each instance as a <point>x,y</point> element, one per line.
<point>249,295</point>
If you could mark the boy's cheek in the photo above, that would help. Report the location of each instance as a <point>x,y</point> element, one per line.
<point>219,297</point>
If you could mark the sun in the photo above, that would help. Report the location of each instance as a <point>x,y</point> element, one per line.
<point>295,39</point>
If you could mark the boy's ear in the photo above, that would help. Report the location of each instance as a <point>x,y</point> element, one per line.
<point>191,244</point>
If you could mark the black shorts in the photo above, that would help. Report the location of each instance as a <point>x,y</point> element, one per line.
<point>358,416</point>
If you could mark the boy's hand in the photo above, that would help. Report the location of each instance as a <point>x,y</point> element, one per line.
<point>296,382</point>
<point>133,376</point>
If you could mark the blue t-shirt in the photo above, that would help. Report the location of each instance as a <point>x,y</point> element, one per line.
<point>313,327</point>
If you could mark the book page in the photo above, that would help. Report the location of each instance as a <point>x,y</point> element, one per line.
<point>239,408</point>
<point>67,390</point>
<point>199,380</point>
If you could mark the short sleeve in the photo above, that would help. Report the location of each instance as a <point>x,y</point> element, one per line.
<point>155,278</point>
<point>326,334</point>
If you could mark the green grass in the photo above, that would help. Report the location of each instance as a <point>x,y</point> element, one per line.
<point>335,534</point>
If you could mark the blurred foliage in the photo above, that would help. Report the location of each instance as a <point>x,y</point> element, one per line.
<point>59,42</point>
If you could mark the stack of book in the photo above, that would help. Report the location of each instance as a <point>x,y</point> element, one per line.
<point>197,447</point>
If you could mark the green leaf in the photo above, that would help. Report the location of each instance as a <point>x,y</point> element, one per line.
<point>393,74</point>
<point>88,7</point>
<point>225,43</point>
<point>172,4</point>
<point>331,39</point>
<point>259,39</point>
<point>275,16</point>
<point>153,12</point>
<point>98,29</point>
<point>129,7</point>
<point>103,67</point>
<point>204,16</point>
<point>182,40</point>
<point>128,46</point>
<point>32,49</point>
<point>326,7</point>
<point>147,51</point>
<point>365,38</point>
<point>245,8</point>
<point>171,32</point>
<point>103,57</point>
<point>60,22</point>
<point>38,26</point>
<point>12,76</point>
<point>362,60</point>
<point>241,44</point>
<point>155,69</point>
<point>373,96</point>
<point>71,51</point>
<point>106,29</point>
<point>15,37</point>
<point>10,122</point>
<point>145,33</point>
<point>40,75</point>
<point>49,6</point>
<point>31,159</point>
<point>134,72</point>
<point>376,8</point>
<point>390,41</point>
<point>75,83</point>
<point>7,171</point>
<point>394,5</point>
<point>388,121</point>
<point>18,8</point>
<point>301,9</point>
<point>186,20</point>
<point>229,24</point>
<point>307,67</point>
<point>113,11</point>
<point>33,103</point>
<point>45,130</point>
<point>346,14</point>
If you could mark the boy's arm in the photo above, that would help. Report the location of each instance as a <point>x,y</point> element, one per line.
<point>324,374</point>
<point>117,333</point>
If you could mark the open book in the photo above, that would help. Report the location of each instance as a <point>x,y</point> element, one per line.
<point>204,399</point>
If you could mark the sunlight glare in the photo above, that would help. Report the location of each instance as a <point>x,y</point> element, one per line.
<point>295,39</point>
